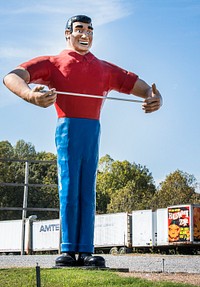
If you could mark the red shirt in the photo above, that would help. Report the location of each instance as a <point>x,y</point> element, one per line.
<point>72,72</point>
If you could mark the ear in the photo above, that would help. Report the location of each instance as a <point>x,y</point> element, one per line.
<point>67,34</point>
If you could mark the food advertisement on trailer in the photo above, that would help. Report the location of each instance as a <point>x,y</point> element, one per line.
<point>196,223</point>
<point>179,224</point>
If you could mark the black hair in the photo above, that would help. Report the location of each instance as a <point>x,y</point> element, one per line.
<point>77,18</point>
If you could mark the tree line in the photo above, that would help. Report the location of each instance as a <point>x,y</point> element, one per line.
<point>121,186</point>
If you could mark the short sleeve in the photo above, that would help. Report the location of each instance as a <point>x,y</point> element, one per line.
<point>120,79</point>
<point>39,69</point>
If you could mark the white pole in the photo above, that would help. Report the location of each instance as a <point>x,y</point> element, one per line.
<point>24,211</point>
<point>97,97</point>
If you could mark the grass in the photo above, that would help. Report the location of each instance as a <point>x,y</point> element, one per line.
<point>26,277</point>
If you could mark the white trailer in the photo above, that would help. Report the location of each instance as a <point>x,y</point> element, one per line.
<point>162,227</point>
<point>144,228</point>
<point>45,235</point>
<point>10,235</point>
<point>113,231</point>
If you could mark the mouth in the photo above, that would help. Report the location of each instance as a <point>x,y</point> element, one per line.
<point>84,43</point>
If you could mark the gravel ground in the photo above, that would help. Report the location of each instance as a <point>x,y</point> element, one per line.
<point>135,263</point>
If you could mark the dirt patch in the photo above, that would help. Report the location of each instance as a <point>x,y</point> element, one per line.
<point>193,279</point>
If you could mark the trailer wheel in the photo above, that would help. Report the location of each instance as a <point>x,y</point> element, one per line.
<point>114,251</point>
<point>123,250</point>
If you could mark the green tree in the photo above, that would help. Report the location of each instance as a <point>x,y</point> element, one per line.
<point>39,173</point>
<point>104,184</point>
<point>10,196</point>
<point>46,196</point>
<point>105,163</point>
<point>178,188</point>
<point>6,151</point>
<point>136,194</point>
<point>23,150</point>
<point>122,186</point>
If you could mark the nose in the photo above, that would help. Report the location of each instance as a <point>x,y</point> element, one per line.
<point>84,34</point>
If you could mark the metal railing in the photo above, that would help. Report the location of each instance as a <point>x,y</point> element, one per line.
<point>26,185</point>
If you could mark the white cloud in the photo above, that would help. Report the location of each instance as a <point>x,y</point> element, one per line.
<point>34,9</point>
<point>102,11</point>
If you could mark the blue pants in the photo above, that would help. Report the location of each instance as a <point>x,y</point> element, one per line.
<point>77,142</point>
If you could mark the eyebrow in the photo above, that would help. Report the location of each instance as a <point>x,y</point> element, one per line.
<point>81,26</point>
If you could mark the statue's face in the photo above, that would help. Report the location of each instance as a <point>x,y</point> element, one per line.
<point>80,39</point>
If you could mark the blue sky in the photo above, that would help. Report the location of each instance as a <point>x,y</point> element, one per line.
<point>157,39</point>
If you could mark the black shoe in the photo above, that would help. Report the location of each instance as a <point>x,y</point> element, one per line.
<point>66,260</point>
<point>86,259</point>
